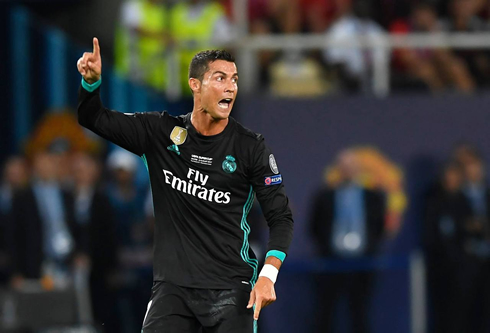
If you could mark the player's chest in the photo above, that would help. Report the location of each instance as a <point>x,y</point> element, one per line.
<point>216,164</point>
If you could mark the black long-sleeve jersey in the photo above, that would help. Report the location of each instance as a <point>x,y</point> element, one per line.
<point>203,188</point>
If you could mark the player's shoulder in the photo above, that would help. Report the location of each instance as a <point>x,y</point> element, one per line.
<point>179,120</point>
<point>247,135</point>
<point>166,117</point>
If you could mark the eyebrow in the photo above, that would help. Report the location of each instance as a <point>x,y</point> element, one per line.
<point>223,73</point>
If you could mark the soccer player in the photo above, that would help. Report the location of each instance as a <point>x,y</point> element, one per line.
<point>205,170</point>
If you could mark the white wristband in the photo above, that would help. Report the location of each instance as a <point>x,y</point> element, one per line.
<point>270,272</point>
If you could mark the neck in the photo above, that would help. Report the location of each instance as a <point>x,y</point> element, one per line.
<point>461,23</point>
<point>81,187</point>
<point>45,181</point>
<point>205,124</point>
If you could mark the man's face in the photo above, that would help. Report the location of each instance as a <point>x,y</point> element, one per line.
<point>348,165</point>
<point>474,171</point>
<point>85,170</point>
<point>46,166</point>
<point>219,88</point>
<point>16,173</point>
<point>452,179</point>
<point>463,9</point>
<point>424,19</point>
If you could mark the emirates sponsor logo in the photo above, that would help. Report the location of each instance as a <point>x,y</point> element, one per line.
<point>195,185</point>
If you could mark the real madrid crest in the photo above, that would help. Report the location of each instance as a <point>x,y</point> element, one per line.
<point>229,164</point>
<point>178,135</point>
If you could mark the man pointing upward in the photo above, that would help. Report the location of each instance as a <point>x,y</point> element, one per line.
<point>205,170</point>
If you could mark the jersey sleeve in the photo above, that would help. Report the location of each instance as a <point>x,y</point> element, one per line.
<point>268,186</point>
<point>131,131</point>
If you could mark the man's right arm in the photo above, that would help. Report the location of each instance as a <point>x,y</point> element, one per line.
<point>130,131</point>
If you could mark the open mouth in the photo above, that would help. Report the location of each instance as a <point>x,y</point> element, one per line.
<point>225,103</point>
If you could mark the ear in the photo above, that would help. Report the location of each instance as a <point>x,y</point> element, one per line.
<point>195,85</point>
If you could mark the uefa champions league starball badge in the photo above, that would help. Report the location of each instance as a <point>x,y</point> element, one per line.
<point>229,164</point>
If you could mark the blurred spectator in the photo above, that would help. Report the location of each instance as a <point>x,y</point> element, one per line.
<point>196,25</point>
<point>96,238</point>
<point>464,19</point>
<point>134,249</point>
<point>458,249</point>
<point>444,6</point>
<point>385,12</point>
<point>141,40</point>
<point>15,176</point>
<point>347,222</point>
<point>354,64</point>
<point>43,222</point>
<point>62,153</point>
<point>318,14</point>
<point>437,69</point>
<point>289,73</point>
<point>475,188</point>
<point>478,194</point>
<point>464,153</point>
<point>448,211</point>
<point>287,16</point>
<point>271,16</point>
<point>297,75</point>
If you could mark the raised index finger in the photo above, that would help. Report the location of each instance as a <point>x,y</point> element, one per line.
<point>96,48</point>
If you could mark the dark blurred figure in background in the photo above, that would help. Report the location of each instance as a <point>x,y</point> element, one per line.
<point>347,222</point>
<point>96,239</point>
<point>464,153</point>
<point>448,211</point>
<point>15,176</point>
<point>134,250</point>
<point>436,69</point>
<point>475,304</point>
<point>354,65</point>
<point>463,18</point>
<point>458,247</point>
<point>43,223</point>
<point>271,17</point>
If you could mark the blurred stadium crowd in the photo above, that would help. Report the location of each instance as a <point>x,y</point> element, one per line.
<point>63,211</point>
<point>150,27</point>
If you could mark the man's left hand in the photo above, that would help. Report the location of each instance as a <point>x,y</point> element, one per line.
<point>262,294</point>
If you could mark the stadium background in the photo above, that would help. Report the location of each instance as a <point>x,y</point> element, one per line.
<point>416,130</point>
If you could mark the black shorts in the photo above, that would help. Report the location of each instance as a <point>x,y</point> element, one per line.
<point>174,309</point>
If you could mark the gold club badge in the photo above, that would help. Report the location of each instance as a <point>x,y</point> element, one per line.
<point>178,135</point>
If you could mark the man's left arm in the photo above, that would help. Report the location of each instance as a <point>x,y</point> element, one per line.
<point>268,185</point>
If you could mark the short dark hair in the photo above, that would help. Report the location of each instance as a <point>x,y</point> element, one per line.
<point>200,62</point>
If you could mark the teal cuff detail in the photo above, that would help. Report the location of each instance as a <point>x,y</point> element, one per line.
<point>91,87</point>
<point>278,254</point>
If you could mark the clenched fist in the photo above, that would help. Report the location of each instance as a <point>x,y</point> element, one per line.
<point>90,64</point>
